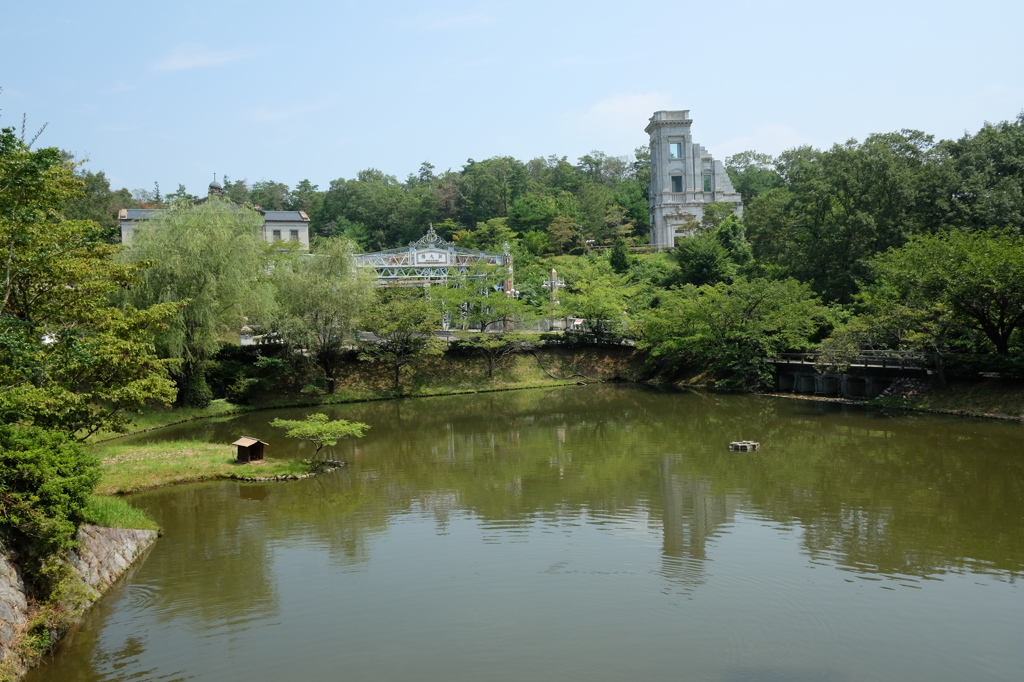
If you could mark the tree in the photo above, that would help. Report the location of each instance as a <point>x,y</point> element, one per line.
<point>45,483</point>
<point>840,207</point>
<point>531,212</point>
<point>599,296</point>
<point>477,299</point>
<point>752,174</point>
<point>729,329</point>
<point>563,232</point>
<point>375,205</point>
<point>319,299</point>
<point>491,235</point>
<point>69,360</point>
<point>305,197</point>
<point>703,260</point>
<point>212,260</point>
<point>181,195</point>
<point>403,324</point>
<point>990,170</point>
<point>492,347</point>
<point>271,196</point>
<point>98,203</point>
<point>320,431</point>
<point>975,280</point>
<point>489,187</point>
<point>618,257</point>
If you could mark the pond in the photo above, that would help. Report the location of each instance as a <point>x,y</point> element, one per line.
<point>596,533</point>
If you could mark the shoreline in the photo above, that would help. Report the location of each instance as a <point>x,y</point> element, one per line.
<point>904,408</point>
<point>243,409</point>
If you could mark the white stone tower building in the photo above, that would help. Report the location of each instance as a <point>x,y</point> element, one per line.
<point>684,177</point>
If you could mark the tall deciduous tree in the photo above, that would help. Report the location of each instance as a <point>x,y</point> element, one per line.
<point>211,259</point>
<point>69,360</point>
<point>319,299</point>
<point>840,207</point>
<point>990,169</point>
<point>597,294</point>
<point>729,329</point>
<point>975,277</point>
<point>404,324</point>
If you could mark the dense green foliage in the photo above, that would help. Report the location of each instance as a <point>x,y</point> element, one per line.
<point>71,362</point>
<point>69,359</point>
<point>820,216</point>
<point>729,329</point>
<point>45,483</point>
<point>402,322</point>
<point>852,236</point>
<point>211,260</point>
<point>319,298</point>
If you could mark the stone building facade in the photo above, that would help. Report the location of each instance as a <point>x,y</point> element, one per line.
<point>684,179</point>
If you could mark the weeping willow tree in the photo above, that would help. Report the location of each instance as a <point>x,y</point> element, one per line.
<point>212,260</point>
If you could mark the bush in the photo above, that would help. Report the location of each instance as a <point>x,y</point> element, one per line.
<point>45,483</point>
<point>245,374</point>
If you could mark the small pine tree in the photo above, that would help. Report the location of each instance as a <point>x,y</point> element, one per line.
<point>619,256</point>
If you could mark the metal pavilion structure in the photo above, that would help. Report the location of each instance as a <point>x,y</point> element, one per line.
<point>431,260</point>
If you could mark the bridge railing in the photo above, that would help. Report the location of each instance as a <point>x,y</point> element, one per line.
<point>882,359</point>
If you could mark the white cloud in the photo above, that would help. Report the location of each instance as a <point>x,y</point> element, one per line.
<point>460,22</point>
<point>194,56</point>
<point>770,138</point>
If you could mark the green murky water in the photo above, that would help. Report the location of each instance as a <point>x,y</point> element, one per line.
<point>602,533</point>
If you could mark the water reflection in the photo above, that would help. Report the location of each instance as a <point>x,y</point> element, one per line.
<point>893,494</point>
<point>559,531</point>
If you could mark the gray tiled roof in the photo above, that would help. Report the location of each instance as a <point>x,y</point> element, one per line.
<point>143,213</point>
<point>285,216</point>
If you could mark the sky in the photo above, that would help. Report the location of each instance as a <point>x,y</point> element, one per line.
<point>175,92</point>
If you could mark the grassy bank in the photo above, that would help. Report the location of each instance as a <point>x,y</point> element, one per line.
<point>115,512</point>
<point>989,398</point>
<point>128,469</point>
<point>449,374</point>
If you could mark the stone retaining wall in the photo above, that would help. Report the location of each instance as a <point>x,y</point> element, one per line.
<point>102,556</point>
<point>13,603</point>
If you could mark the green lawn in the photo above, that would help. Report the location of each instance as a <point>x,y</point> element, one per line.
<point>130,468</point>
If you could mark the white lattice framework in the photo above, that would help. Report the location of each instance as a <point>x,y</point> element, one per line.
<point>430,260</point>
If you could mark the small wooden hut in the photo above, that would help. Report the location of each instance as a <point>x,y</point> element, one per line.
<point>249,449</point>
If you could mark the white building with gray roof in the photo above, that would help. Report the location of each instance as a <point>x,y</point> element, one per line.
<point>289,226</point>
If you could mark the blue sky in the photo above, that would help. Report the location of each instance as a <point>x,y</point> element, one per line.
<point>175,92</point>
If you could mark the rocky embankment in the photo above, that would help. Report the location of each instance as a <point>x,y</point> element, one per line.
<point>103,555</point>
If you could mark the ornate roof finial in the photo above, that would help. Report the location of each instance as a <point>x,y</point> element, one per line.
<point>430,237</point>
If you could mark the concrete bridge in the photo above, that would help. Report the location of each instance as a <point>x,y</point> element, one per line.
<point>866,376</point>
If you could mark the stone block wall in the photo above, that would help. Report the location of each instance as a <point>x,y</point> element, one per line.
<point>103,555</point>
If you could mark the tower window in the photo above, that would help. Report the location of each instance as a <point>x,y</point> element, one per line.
<point>675,150</point>
<point>709,184</point>
<point>677,183</point>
